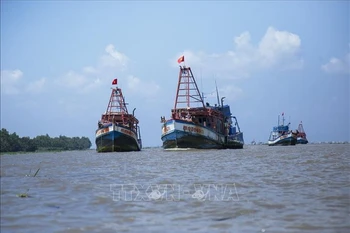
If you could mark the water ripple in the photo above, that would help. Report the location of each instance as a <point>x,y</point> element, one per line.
<point>304,188</point>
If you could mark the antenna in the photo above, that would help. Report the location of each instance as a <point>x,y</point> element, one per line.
<point>217,93</point>
<point>201,78</point>
<point>202,83</point>
<point>289,120</point>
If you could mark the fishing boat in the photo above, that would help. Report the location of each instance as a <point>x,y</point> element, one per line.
<point>281,135</point>
<point>301,135</point>
<point>118,130</point>
<point>195,125</point>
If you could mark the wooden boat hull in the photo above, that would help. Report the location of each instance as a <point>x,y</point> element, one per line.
<point>184,134</point>
<point>116,139</point>
<point>285,140</point>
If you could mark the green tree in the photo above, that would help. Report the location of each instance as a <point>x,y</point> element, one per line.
<point>5,145</point>
<point>13,143</point>
<point>28,144</point>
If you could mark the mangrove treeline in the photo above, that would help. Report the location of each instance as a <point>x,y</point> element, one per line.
<point>14,143</point>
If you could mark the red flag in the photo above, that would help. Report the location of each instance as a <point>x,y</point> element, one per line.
<point>115,81</point>
<point>181,59</point>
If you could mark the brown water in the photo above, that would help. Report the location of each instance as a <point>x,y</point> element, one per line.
<point>302,188</point>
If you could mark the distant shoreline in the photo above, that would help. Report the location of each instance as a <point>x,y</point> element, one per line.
<point>38,151</point>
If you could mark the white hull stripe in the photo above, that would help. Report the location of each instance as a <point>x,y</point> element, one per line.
<point>191,129</point>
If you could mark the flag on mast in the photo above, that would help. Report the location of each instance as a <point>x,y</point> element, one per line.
<point>181,59</point>
<point>115,81</point>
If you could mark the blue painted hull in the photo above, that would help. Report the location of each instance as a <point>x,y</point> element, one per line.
<point>302,141</point>
<point>179,138</point>
<point>115,141</point>
<point>288,141</point>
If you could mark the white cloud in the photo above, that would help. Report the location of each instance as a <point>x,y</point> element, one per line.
<point>93,84</point>
<point>73,79</point>
<point>336,65</point>
<point>90,70</point>
<point>276,49</point>
<point>113,58</point>
<point>80,82</point>
<point>145,89</point>
<point>36,86</point>
<point>242,40</point>
<point>110,65</point>
<point>277,46</point>
<point>10,81</point>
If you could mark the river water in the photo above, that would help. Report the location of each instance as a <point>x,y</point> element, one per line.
<point>302,188</point>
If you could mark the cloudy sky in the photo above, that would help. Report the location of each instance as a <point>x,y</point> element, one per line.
<point>58,59</point>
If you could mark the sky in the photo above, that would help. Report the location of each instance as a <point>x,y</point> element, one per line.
<point>58,60</point>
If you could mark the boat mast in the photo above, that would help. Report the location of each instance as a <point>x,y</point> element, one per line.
<point>116,109</point>
<point>301,128</point>
<point>187,90</point>
<point>116,102</point>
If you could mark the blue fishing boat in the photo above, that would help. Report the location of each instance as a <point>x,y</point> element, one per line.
<point>118,130</point>
<point>281,135</point>
<point>301,135</point>
<point>195,125</point>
